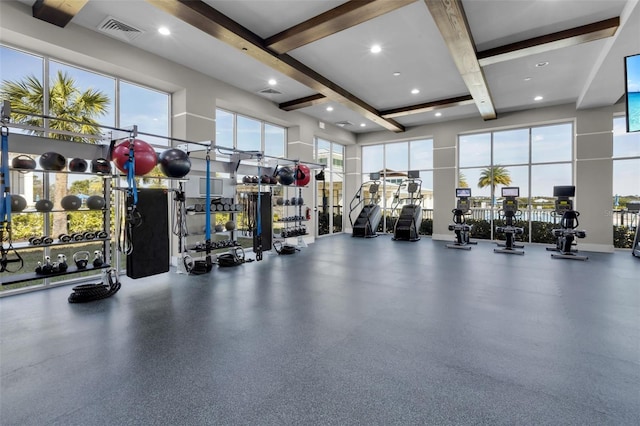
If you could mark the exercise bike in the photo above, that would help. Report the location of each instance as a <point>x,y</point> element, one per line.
<point>509,212</point>
<point>568,232</point>
<point>459,226</point>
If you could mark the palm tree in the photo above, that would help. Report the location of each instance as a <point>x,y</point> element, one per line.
<point>462,180</point>
<point>65,101</point>
<point>494,176</point>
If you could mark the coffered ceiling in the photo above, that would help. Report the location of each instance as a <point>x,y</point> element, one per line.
<point>465,58</point>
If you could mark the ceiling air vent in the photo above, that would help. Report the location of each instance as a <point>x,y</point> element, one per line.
<point>118,29</point>
<point>344,123</point>
<point>269,91</point>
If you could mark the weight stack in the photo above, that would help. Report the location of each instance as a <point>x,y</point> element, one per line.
<point>265,219</point>
<point>150,240</point>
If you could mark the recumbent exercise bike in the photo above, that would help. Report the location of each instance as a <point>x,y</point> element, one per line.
<point>509,212</point>
<point>568,232</point>
<point>459,226</point>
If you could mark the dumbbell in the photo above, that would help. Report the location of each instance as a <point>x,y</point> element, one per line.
<point>102,235</point>
<point>77,236</point>
<point>64,238</point>
<point>89,235</point>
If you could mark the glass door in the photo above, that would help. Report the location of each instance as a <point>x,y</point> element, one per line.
<point>330,190</point>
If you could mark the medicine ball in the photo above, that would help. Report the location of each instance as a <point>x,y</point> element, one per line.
<point>101,166</point>
<point>303,175</point>
<point>18,203</point>
<point>246,179</point>
<point>78,165</point>
<point>265,179</point>
<point>44,205</point>
<point>96,202</point>
<point>145,158</point>
<point>52,161</point>
<point>285,176</point>
<point>279,201</point>
<point>174,163</point>
<point>23,162</point>
<point>230,225</point>
<point>219,228</point>
<point>71,202</point>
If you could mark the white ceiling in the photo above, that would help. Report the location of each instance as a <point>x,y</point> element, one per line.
<point>590,74</point>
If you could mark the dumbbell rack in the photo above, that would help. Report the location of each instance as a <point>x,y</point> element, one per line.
<point>293,223</point>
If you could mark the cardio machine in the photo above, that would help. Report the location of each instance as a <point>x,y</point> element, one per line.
<point>407,226</point>
<point>634,207</point>
<point>366,224</point>
<point>568,232</point>
<point>459,225</point>
<point>509,212</point>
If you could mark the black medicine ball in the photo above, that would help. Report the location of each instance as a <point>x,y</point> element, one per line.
<point>78,165</point>
<point>71,202</point>
<point>23,162</point>
<point>18,203</point>
<point>96,202</point>
<point>52,161</point>
<point>174,163</point>
<point>44,205</point>
<point>100,166</point>
<point>285,176</point>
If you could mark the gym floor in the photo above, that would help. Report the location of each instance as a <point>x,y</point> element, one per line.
<point>347,331</point>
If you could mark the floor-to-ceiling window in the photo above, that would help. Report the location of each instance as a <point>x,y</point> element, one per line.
<point>330,190</point>
<point>392,162</point>
<point>535,159</point>
<point>49,98</point>
<point>626,183</point>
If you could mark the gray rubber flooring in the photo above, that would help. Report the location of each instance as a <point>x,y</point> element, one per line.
<point>346,332</point>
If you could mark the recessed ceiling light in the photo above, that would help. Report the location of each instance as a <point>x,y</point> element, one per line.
<point>272,82</point>
<point>538,98</point>
<point>438,114</point>
<point>164,31</point>
<point>329,108</point>
<point>376,48</point>
<point>363,125</point>
<point>527,79</point>
<point>542,64</point>
<point>396,74</point>
<point>415,91</point>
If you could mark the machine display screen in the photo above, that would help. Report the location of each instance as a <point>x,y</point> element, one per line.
<point>463,192</point>
<point>511,192</point>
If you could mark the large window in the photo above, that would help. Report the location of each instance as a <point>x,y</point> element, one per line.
<point>76,94</point>
<point>626,183</point>
<point>330,198</point>
<point>393,161</point>
<point>248,134</point>
<point>535,159</point>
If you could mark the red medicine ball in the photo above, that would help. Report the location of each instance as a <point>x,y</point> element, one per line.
<point>145,158</point>
<point>302,175</point>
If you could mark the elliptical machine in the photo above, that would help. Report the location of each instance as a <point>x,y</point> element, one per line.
<point>509,212</point>
<point>567,233</point>
<point>459,226</point>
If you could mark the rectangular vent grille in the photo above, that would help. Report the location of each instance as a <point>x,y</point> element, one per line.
<point>344,123</point>
<point>119,29</point>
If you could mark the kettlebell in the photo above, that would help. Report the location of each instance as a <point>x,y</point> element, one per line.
<point>24,162</point>
<point>62,263</point>
<point>52,161</point>
<point>81,259</point>
<point>98,259</point>
<point>44,205</point>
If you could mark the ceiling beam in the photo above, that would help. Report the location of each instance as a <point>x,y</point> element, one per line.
<point>427,107</point>
<point>305,102</point>
<point>209,20</point>
<point>451,21</point>
<point>57,12</point>
<point>545,43</point>
<point>339,18</point>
